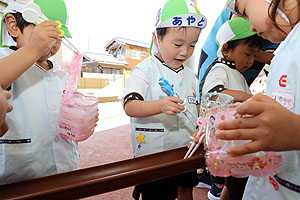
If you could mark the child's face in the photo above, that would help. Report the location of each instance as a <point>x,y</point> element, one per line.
<point>24,39</point>
<point>242,55</point>
<point>177,45</point>
<point>256,11</point>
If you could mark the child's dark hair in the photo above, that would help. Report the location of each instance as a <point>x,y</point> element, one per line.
<point>162,31</point>
<point>21,23</point>
<point>252,41</point>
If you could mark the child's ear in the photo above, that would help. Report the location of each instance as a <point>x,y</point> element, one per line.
<point>225,50</point>
<point>155,38</point>
<point>11,25</point>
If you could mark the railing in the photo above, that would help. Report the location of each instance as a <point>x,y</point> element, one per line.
<point>97,180</point>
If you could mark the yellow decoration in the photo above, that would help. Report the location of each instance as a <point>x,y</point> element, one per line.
<point>59,25</point>
<point>141,138</point>
<point>216,162</point>
<point>196,8</point>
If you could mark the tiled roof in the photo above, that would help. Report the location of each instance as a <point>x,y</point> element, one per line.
<point>104,58</point>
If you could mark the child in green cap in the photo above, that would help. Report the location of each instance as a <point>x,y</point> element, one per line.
<point>157,121</point>
<point>32,147</point>
<point>238,47</point>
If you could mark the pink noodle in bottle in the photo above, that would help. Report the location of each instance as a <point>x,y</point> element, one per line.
<point>77,111</point>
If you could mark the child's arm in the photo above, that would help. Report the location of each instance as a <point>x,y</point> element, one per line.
<point>264,57</point>
<point>4,108</point>
<point>239,96</point>
<point>138,108</point>
<point>43,38</point>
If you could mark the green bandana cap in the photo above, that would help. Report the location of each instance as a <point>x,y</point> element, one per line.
<point>54,10</point>
<point>178,13</point>
<point>234,29</point>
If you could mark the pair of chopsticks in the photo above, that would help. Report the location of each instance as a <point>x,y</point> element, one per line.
<point>194,146</point>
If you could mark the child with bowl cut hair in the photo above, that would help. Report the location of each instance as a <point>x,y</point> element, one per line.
<point>157,123</point>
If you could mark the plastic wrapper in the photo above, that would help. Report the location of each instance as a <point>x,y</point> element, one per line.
<point>219,163</point>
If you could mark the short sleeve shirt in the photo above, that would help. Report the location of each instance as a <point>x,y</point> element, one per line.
<point>161,132</point>
<point>221,74</point>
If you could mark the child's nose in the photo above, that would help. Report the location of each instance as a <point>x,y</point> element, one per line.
<point>251,61</point>
<point>184,51</point>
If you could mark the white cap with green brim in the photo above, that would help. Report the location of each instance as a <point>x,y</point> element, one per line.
<point>178,13</point>
<point>54,10</point>
<point>231,5</point>
<point>234,29</point>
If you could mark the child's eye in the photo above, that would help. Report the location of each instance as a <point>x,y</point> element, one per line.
<point>247,54</point>
<point>178,45</point>
<point>193,46</point>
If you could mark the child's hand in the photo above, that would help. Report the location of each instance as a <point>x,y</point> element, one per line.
<point>4,108</point>
<point>271,127</point>
<point>44,36</point>
<point>170,105</point>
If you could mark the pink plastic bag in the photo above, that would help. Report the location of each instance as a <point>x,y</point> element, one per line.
<point>219,163</point>
<point>77,111</point>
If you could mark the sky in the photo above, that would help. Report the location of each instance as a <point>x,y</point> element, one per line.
<point>94,23</point>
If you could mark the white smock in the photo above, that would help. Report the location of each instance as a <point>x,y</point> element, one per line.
<point>161,132</point>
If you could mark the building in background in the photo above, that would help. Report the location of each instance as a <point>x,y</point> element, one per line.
<point>109,71</point>
<point>3,5</point>
<point>103,63</point>
<point>122,55</point>
<point>133,52</point>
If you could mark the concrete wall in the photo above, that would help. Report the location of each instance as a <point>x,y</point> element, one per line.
<point>93,83</point>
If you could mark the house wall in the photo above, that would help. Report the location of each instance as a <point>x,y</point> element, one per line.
<point>112,68</point>
<point>3,5</point>
<point>92,83</point>
<point>102,68</point>
<point>135,55</point>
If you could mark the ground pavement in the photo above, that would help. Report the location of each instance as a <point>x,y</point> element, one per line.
<point>111,143</point>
